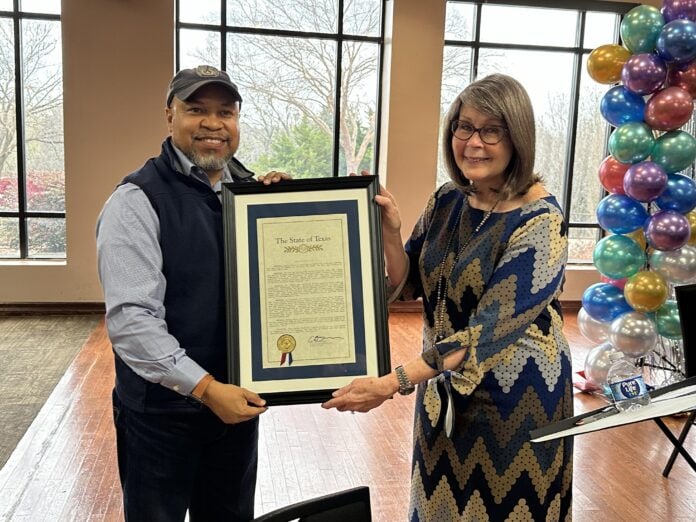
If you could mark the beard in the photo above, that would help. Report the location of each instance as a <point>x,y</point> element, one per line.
<point>209,162</point>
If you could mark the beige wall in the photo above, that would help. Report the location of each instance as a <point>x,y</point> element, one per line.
<point>118,57</point>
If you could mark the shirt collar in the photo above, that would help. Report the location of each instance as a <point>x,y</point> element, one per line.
<point>189,169</point>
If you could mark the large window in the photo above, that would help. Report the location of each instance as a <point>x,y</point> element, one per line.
<point>545,46</point>
<point>32,173</point>
<point>288,56</point>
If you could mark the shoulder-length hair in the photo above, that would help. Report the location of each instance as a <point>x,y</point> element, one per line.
<point>504,98</point>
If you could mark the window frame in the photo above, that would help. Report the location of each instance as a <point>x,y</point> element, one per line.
<point>22,214</point>
<point>583,7</point>
<point>339,37</point>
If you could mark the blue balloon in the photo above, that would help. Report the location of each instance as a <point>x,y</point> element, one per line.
<point>677,41</point>
<point>604,302</point>
<point>620,214</point>
<point>619,106</point>
<point>680,194</point>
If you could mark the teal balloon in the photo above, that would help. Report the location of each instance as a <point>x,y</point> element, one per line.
<point>631,142</point>
<point>618,256</point>
<point>641,27</point>
<point>674,151</point>
<point>667,320</point>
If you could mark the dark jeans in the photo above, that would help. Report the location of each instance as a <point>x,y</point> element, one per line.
<point>172,462</point>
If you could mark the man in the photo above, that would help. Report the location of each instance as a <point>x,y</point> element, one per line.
<point>185,439</point>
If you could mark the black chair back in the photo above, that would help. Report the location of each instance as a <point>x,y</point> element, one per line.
<point>351,505</point>
<point>686,302</point>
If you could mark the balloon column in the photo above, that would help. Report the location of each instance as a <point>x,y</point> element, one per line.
<point>649,211</point>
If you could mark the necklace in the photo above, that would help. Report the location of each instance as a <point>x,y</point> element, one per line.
<point>442,281</point>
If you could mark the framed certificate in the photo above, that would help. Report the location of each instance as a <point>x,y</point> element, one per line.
<point>306,303</point>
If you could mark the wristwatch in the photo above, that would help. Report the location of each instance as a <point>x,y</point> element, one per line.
<point>405,384</point>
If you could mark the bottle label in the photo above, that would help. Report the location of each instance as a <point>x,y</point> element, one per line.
<point>628,389</point>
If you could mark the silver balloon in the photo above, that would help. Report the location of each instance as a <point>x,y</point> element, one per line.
<point>594,330</point>
<point>633,333</point>
<point>676,266</point>
<point>597,364</point>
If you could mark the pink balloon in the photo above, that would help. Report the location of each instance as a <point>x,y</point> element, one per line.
<point>667,230</point>
<point>669,109</point>
<point>684,77</point>
<point>611,174</point>
<point>618,283</point>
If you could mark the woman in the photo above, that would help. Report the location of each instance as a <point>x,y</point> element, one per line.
<point>487,257</point>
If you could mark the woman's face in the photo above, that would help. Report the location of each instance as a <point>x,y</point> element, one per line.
<point>482,164</point>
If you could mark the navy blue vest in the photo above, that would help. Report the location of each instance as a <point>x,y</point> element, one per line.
<point>191,239</point>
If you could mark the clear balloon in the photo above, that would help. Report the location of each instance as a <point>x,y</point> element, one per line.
<point>645,181</point>
<point>641,27</point>
<point>674,150</point>
<point>669,109</point>
<point>619,106</point>
<point>646,291</point>
<point>674,9</point>
<point>644,73</point>
<point>604,302</point>
<point>667,230</point>
<point>597,364</point>
<point>676,266</point>
<point>604,64</point>
<point>677,41</point>
<point>591,329</point>
<point>618,257</point>
<point>683,76</point>
<point>632,142</point>
<point>620,214</point>
<point>611,174</point>
<point>634,334</point>
<point>679,194</point>
<point>667,320</point>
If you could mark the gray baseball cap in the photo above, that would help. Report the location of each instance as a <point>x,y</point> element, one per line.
<point>188,81</point>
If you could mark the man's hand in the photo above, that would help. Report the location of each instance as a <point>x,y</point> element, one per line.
<point>232,403</point>
<point>273,177</point>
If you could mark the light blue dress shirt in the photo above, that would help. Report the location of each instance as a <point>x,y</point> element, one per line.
<point>130,269</point>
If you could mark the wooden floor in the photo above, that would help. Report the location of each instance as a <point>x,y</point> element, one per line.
<point>64,469</point>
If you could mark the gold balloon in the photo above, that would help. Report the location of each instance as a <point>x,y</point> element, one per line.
<point>691,216</point>
<point>639,237</point>
<point>646,291</point>
<point>606,61</point>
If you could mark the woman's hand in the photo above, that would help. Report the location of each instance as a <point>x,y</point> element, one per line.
<point>363,394</point>
<point>391,218</point>
<point>273,177</point>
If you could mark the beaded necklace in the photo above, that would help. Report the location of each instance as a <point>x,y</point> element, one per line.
<point>443,282</point>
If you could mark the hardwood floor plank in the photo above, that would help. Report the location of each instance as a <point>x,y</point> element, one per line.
<point>65,466</point>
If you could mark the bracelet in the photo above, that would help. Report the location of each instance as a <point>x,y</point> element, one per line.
<point>198,392</point>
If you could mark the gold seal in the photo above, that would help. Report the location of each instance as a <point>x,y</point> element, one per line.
<point>286,343</point>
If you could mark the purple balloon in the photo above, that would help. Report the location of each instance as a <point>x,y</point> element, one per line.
<point>674,9</point>
<point>644,73</point>
<point>679,194</point>
<point>667,230</point>
<point>645,181</point>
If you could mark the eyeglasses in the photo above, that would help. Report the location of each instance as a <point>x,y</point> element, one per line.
<point>490,134</point>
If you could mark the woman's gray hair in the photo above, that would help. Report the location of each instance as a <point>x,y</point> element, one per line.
<point>502,97</point>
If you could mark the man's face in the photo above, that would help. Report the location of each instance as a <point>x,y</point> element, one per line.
<point>206,127</point>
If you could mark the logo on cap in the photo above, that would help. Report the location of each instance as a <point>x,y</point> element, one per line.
<point>207,71</point>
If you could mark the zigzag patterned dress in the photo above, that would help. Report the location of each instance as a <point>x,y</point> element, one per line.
<point>502,304</point>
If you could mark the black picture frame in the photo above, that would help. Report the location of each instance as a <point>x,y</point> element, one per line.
<point>305,276</point>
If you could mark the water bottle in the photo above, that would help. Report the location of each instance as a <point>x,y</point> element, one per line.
<point>625,380</point>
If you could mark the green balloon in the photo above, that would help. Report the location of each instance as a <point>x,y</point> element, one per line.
<point>667,319</point>
<point>641,27</point>
<point>618,256</point>
<point>631,142</point>
<point>674,151</point>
